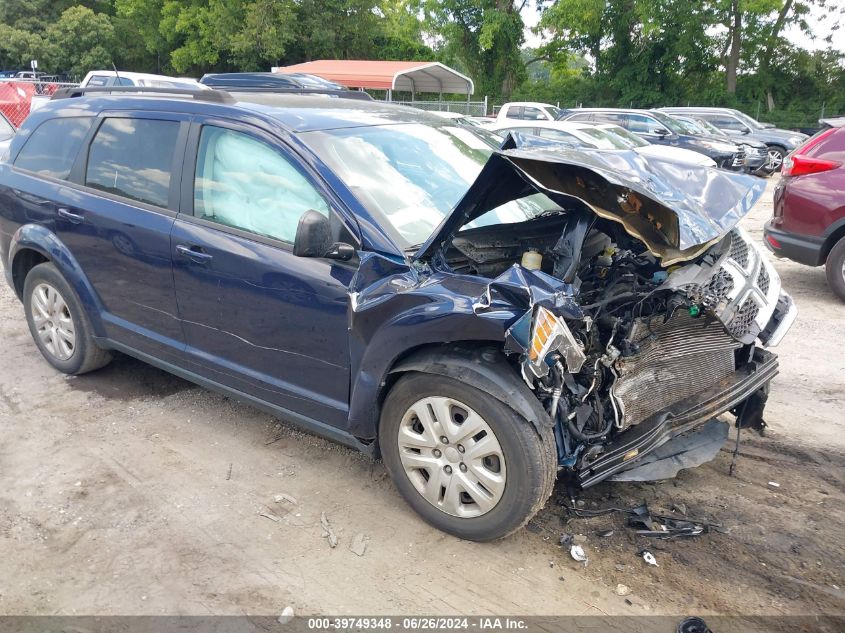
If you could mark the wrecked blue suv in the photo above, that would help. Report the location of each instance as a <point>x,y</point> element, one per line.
<point>486,319</point>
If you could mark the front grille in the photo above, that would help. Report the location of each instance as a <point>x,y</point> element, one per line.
<point>744,318</point>
<point>675,361</point>
<point>739,249</point>
<point>763,280</point>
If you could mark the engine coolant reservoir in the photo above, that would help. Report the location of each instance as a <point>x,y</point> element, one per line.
<point>532,259</point>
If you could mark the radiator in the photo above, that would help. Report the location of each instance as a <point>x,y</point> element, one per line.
<point>675,360</point>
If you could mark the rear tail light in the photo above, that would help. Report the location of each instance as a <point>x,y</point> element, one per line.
<point>800,165</point>
<point>799,162</point>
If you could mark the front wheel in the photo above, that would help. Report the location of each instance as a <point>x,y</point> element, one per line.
<point>467,463</point>
<point>835,269</point>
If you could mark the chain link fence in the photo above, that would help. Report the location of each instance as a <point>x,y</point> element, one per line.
<point>19,97</point>
<point>468,108</point>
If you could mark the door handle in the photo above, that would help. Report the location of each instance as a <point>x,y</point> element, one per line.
<point>73,218</point>
<point>194,253</point>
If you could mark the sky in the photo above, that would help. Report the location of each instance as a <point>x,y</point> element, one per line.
<point>821,29</point>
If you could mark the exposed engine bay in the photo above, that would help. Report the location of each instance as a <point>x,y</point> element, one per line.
<point>635,338</point>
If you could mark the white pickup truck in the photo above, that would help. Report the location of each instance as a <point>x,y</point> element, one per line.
<point>528,111</point>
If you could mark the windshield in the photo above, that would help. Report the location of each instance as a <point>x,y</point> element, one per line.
<point>710,128</point>
<point>689,127</point>
<point>412,175</point>
<point>555,112</point>
<point>628,137</point>
<point>747,120</point>
<point>603,139</point>
<point>671,124</point>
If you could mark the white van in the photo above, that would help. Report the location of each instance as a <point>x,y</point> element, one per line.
<point>107,78</point>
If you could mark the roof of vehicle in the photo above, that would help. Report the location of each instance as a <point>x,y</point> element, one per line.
<point>551,125</point>
<point>295,113</point>
<point>268,80</point>
<point>532,104</point>
<point>833,122</point>
<point>136,76</point>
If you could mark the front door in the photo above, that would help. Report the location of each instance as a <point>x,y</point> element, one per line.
<point>257,318</point>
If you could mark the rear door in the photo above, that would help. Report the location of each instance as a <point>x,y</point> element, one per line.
<point>118,224</point>
<point>257,318</point>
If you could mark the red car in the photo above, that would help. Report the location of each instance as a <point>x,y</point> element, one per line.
<point>809,206</point>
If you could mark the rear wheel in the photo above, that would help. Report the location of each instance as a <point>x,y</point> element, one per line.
<point>467,463</point>
<point>835,269</point>
<point>58,324</point>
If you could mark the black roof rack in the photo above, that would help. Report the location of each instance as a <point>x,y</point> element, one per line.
<point>214,96</point>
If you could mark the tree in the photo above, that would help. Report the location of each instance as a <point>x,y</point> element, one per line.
<point>484,36</point>
<point>80,40</point>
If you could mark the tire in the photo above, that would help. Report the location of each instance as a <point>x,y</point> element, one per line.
<point>515,482</point>
<point>58,324</point>
<point>775,158</point>
<point>834,268</point>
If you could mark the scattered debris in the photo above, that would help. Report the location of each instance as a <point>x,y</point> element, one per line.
<point>622,590</point>
<point>680,508</point>
<point>774,484</point>
<point>285,497</point>
<point>328,532</point>
<point>580,539</point>
<point>693,625</point>
<point>229,472</point>
<point>358,544</point>
<point>649,558</point>
<point>577,553</point>
<point>604,533</point>
<point>269,515</point>
<point>286,616</point>
<point>534,527</point>
<point>565,540</point>
<point>620,567</point>
<point>665,527</point>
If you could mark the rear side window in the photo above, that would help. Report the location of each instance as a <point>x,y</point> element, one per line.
<point>532,114</point>
<point>52,147</point>
<point>133,158</point>
<point>514,112</point>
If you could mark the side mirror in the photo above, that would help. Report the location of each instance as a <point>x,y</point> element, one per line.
<point>314,239</point>
<point>662,131</point>
<point>746,130</point>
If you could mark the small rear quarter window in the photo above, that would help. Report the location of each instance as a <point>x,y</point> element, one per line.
<point>52,147</point>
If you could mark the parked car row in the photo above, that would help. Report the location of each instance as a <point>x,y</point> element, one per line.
<point>731,138</point>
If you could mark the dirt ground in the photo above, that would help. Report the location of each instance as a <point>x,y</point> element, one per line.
<point>129,491</point>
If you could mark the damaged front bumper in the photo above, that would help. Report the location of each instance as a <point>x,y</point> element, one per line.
<point>680,418</point>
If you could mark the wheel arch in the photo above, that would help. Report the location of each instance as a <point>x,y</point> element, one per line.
<point>34,244</point>
<point>836,232</point>
<point>480,364</point>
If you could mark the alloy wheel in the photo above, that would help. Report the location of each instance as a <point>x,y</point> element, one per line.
<point>452,457</point>
<point>774,160</point>
<point>53,322</point>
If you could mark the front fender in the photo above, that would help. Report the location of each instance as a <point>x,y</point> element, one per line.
<point>484,368</point>
<point>42,240</point>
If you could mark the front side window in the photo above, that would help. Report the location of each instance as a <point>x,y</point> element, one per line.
<point>641,124</point>
<point>133,158</point>
<point>52,147</point>
<point>245,183</point>
<point>514,112</point>
<point>725,122</point>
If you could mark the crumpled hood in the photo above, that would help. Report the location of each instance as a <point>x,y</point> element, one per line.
<point>676,209</point>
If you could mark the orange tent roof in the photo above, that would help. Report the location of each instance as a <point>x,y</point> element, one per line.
<point>381,75</point>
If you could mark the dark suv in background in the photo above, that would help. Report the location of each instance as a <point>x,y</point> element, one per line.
<point>808,224</point>
<point>780,142</point>
<point>661,129</point>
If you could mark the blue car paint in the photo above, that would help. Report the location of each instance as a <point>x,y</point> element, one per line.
<point>324,368</point>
